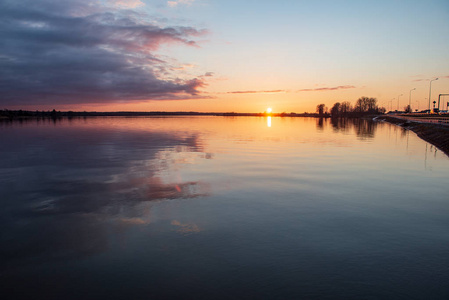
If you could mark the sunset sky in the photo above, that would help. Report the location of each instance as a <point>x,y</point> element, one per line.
<point>220,55</point>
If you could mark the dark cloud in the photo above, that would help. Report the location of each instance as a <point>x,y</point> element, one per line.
<point>341,87</point>
<point>76,52</point>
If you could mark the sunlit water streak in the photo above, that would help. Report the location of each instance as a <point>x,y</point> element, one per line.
<point>211,207</point>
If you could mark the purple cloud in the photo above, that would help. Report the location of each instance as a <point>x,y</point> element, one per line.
<point>341,87</point>
<point>72,52</point>
<point>427,79</point>
<point>256,92</point>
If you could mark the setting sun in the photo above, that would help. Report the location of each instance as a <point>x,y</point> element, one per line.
<point>269,110</point>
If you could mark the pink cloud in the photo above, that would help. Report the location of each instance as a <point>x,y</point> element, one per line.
<point>183,67</point>
<point>126,3</point>
<point>175,3</point>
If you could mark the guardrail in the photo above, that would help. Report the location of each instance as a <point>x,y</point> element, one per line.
<point>434,120</point>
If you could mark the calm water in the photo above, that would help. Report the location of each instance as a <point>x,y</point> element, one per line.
<point>221,208</point>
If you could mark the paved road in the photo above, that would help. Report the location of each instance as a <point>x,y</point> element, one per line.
<point>442,120</point>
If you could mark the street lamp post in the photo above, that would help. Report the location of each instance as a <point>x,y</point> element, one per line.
<point>398,100</point>
<point>410,100</point>
<point>430,90</point>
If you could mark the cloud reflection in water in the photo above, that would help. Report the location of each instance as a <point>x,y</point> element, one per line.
<point>76,181</point>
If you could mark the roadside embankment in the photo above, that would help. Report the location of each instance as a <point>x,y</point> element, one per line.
<point>437,135</point>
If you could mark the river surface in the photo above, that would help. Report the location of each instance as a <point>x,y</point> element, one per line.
<point>221,208</point>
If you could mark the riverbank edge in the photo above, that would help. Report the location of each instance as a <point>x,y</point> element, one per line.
<point>437,135</point>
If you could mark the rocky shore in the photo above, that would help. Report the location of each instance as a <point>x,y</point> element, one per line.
<point>437,135</point>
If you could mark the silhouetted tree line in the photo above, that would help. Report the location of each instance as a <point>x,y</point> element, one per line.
<point>363,106</point>
<point>26,113</point>
<point>58,114</point>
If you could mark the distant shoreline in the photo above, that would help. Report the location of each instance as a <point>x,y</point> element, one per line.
<point>145,114</point>
<point>14,114</point>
